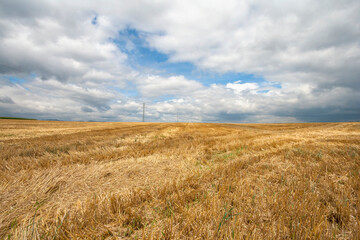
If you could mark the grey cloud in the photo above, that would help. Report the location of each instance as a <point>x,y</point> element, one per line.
<point>23,9</point>
<point>87,109</point>
<point>323,114</point>
<point>276,38</point>
<point>56,100</point>
<point>101,104</point>
<point>266,38</point>
<point>6,99</point>
<point>311,48</point>
<point>62,45</point>
<point>217,103</point>
<point>155,86</point>
<point>98,98</point>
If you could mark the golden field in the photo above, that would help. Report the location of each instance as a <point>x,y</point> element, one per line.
<point>77,180</point>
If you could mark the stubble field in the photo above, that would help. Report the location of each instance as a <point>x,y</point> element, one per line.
<point>75,180</point>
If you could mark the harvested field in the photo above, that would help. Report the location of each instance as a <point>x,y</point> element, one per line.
<point>77,180</point>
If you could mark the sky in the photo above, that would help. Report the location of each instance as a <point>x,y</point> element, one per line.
<point>190,61</point>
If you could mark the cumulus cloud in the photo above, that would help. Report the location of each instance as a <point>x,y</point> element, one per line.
<point>307,52</point>
<point>155,86</point>
<point>6,99</point>
<point>272,39</point>
<point>54,41</point>
<point>239,87</point>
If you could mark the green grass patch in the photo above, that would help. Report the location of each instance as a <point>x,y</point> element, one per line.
<point>15,118</point>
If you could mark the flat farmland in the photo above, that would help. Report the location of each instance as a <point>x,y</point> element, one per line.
<point>79,180</point>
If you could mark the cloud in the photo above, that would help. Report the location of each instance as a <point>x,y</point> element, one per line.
<point>68,48</point>
<point>6,99</point>
<point>240,87</point>
<point>271,39</point>
<point>59,100</point>
<point>230,103</point>
<point>155,86</point>
<point>306,52</point>
<point>87,109</point>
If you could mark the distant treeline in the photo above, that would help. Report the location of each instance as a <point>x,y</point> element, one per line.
<point>17,118</point>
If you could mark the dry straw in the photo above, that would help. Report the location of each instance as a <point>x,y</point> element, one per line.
<point>70,180</point>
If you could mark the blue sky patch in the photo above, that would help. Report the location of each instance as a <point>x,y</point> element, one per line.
<point>133,43</point>
<point>15,80</point>
<point>128,92</point>
<point>142,56</point>
<point>263,91</point>
<point>94,20</point>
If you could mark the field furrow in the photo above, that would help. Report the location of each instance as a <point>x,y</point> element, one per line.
<point>71,180</point>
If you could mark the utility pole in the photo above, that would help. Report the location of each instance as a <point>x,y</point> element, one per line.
<point>143,112</point>
<point>177,116</point>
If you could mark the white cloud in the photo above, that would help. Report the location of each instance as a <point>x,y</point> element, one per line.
<point>55,48</point>
<point>266,38</point>
<point>311,48</point>
<point>155,86</point>
<point>240,87</point>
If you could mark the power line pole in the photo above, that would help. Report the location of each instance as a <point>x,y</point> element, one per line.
<point>143,112</point>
